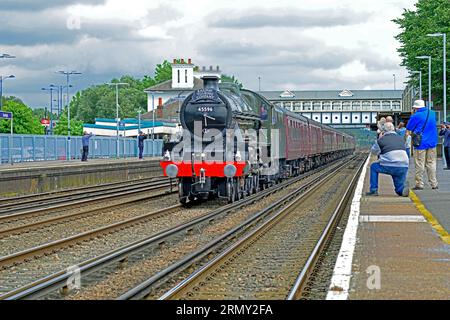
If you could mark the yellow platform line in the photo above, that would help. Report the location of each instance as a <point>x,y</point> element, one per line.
<point>443,234</point>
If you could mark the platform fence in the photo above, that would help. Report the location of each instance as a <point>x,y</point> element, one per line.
<point>25,148</point>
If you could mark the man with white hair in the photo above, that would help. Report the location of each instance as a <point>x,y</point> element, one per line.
<point>393,161</point>
<point>422,127</point>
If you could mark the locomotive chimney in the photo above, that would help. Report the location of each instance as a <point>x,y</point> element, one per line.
<point>211,82</point>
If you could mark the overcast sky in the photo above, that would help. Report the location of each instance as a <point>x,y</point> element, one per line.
<point>291,44</point>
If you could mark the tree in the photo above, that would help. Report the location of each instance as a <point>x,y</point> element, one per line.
<point>76,126</point>
<point>429,17</point>
<point>232,79</point>
<point>163,71</point>
<point>99,101</point>
<point>24,120</point>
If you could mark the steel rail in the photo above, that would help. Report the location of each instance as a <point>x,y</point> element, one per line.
<point>49,283</point>
<point>63,203</point>
<point>4,202</point>
<point>142,289</point>
<point>305,273</point>
<point>272,221</point>
<point>71,216</point>
<point>81,198</point>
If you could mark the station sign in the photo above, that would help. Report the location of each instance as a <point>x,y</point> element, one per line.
<point>6,115</point>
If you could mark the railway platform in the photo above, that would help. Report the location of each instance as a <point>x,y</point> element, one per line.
<point>395,247</point>
<point>47,176</point>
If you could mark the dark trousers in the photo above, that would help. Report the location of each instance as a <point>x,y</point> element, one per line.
<point>398,175</point>
<point>447,156</point>
<point>85,153</point>
<point>141,152</point>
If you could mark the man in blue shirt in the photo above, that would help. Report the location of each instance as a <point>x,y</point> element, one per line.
<point>85,142</point>
<point>423,122</point>
<point>445,132</point>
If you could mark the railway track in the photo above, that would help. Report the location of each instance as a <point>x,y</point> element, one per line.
<point>29,206</point>
<point>275,260</point>
<point>18,223</point>
<point>140,250</point>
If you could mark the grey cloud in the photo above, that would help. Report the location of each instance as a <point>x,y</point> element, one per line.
<point>285,17</point>
<point>311,55</point>
<point>37,5</point>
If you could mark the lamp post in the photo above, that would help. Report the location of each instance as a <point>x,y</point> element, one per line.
<point>444,58</point>
<point>117,85</point>
<point>429,77</point>
<point>259,84</point>
<point>1,88</point>
<point>420,82</point>
<point>394,81</point>
<point>51,88</point>
<point>153,120</point>
<point>68,74</point>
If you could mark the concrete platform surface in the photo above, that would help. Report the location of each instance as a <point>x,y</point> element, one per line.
<point>60,163</point>
<point>392,248</point>
<point>38,177</point>
<point>436,201</point>
<point>398,254</point>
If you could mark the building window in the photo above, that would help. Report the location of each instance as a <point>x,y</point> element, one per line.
<point>326,106</point>
<point>356,105</point>
<point>346,105</point>
<point>179,76</point>
<point>316,106</point>
<point>376,105</point>
<point>298,106</point>
<point>337,105</point>
<point>185,76</point>
<point>396,105</point>
<point>306,106</point>
<point>366,105</point>
<point>386,105</point>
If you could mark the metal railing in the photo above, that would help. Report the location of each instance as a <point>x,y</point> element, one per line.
<point>24,148</point>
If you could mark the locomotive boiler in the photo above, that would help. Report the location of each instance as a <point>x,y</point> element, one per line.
<point>235,142</point>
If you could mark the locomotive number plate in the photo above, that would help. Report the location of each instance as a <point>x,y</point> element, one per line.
<point>205,109</point>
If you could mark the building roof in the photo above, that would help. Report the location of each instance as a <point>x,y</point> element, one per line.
<point>167,86</point>
<point>333,95</point>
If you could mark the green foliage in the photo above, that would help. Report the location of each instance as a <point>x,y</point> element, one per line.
<point>232,79</point>
<point>163,71</point>
<point>24,120</point>
<point>76,126</point>
<point>429,17</point>
<point>100,101</point>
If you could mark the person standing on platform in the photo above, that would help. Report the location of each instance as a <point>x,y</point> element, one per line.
<point>393,161</point>
<point>401,131</point>
<point>141,139</point>
<point>422,127</point>
<point>85,143</point>
<point>445,132</point>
